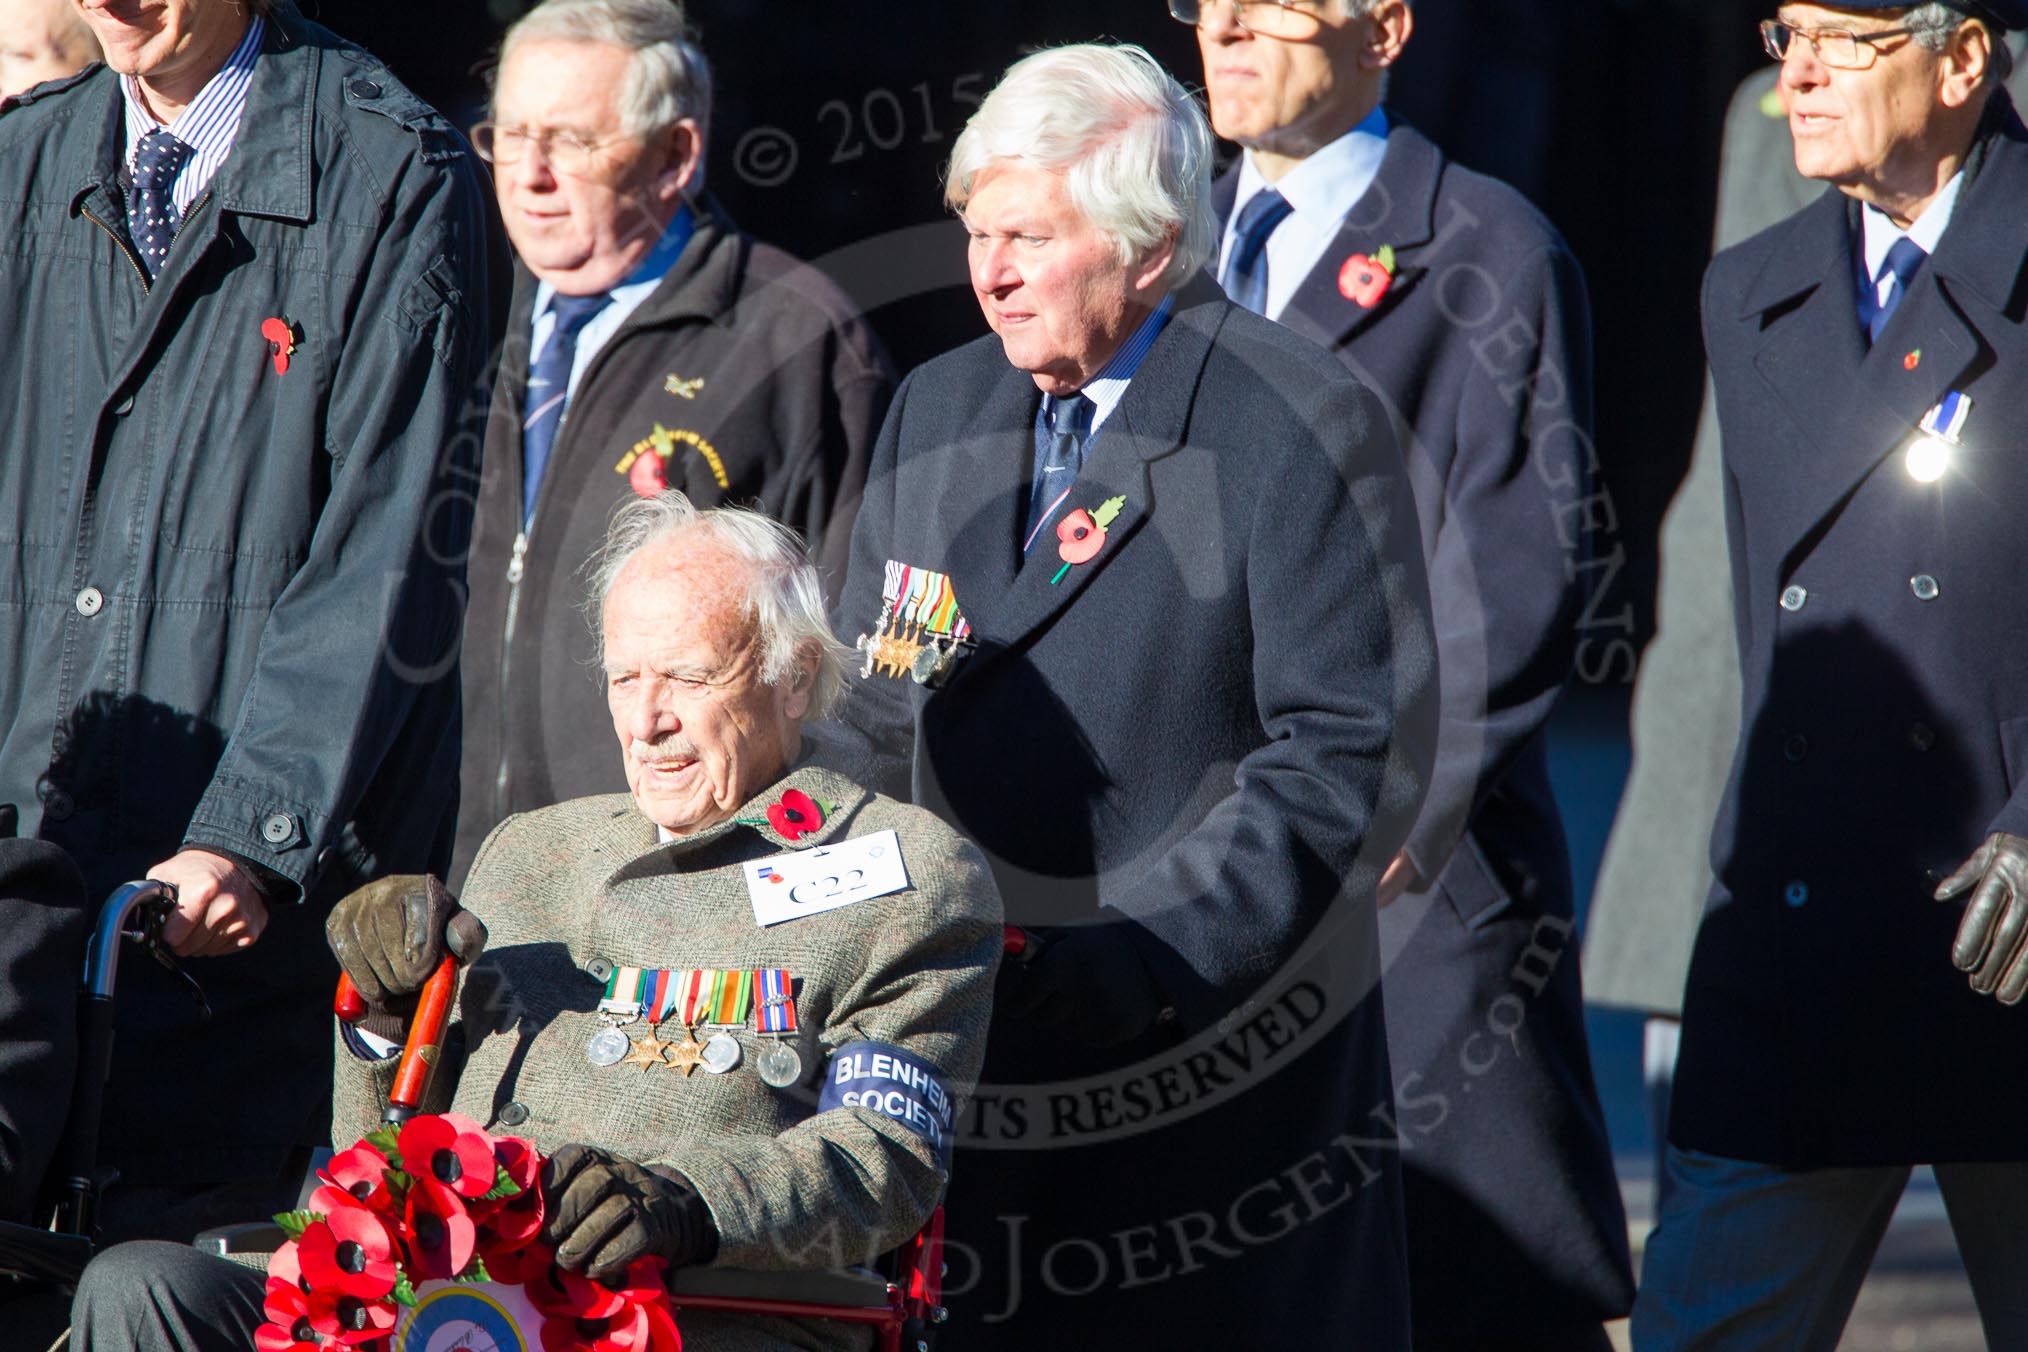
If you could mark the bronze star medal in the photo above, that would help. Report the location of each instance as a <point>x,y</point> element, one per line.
<point>686,1055</point>
<point>647,1052</point>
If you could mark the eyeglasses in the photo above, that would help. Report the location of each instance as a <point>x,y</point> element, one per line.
<point>1835,47</point>
<point>566,151</point>
<point>1266,18</point>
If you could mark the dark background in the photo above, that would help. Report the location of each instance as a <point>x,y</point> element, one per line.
<point>832,122</point>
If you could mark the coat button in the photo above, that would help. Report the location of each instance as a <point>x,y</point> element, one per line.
<point>1795,747</point>
<point>513,1115</point>
<point>90,602</point>
<point>599,969</point>
<point>1796,894</point>
<point>277,827</point>
<point>1921,736</point>
<point>1793,597</point>
<point>364,89</point>
<point>58,805</point>
<point>1924,586</point>
<point>124,407</point>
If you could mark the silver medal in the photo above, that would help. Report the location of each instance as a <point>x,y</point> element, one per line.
<point>779,1066</point>
<point>721,1053</point>
<point>607,1046</point>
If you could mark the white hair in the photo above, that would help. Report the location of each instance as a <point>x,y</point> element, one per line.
<point>784,596</point>
<point>1132,144</point>
<point>668,78</point>
<point>1931,26</point>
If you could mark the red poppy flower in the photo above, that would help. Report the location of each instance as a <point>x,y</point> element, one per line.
<point>360,1172</point>
<point>441,1235</point>
<point>582,1315</point>
<point>522,1265</point>
<point>649,476</point>
<point>285,1303</point>
<point>795,815</point>
<point>1079,538</point>
<point>285,1266</point>
<point>349,1252</point>
<point>348,1320</point>
<point>452,1149</point>
<point>296,1337</point>
<point>508,1223</point>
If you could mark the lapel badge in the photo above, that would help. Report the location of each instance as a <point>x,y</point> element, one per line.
<point>920,631</point>
<point>681,388</point>
<point>646,463</point>
<point>1929,455</point>
<point>281,336</point>
<point>1912,360</point>
<point>1365,278</point>
<point>1081,535</point>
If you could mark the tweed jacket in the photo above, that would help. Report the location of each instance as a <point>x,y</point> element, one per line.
<point>568,890</point>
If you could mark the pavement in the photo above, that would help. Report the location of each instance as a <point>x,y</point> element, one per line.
<point>1916,1298</point>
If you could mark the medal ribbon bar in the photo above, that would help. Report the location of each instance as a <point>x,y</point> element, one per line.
<point>777,1003</point>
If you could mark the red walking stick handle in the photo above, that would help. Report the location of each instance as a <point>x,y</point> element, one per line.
<point>425,1035</point>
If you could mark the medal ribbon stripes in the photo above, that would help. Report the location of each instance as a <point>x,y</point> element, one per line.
<point>1947,419</point>
<point>731,996</point>
<point>919,610</point>
<point>777,1000</point>
<point>634,991</point>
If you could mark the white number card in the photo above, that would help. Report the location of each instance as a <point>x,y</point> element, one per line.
<point>805,882</point>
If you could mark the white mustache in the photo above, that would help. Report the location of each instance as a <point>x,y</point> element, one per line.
<point>650,754</point>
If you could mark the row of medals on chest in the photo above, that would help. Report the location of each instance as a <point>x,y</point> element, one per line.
<point>778,1064</point>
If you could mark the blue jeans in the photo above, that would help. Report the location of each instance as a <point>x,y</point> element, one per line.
<point>1750,1256</point>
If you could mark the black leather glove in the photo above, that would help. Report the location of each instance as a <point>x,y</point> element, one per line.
<point>390,937</point>
<point>1086,985</point>
<point>601,1213</point>
<point>1992,942</point>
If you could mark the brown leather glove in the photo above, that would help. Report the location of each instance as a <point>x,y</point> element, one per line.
<point>1992,942</point>
<point>390,937</point>
<point>602,1212</point>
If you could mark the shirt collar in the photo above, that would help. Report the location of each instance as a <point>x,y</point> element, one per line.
<point>1329,182</point>
<point>1879,233</point>
<point>647,274</point>
<point>211,121</point>
<point>1109,386</point>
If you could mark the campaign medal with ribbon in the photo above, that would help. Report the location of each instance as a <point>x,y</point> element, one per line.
<point>779,1066</point>
<point>687,1003</point>
<point>920,631</point>
<point>620,1005</point>
<point>1929,455</point>
<point>731,996</point>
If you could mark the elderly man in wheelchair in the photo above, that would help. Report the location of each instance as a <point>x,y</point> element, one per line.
<point>732,1007</point>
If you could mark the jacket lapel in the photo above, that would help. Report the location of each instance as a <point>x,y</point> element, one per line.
<point>1148,424</point>
<point>1398,210</point>
<point>1857,406</point>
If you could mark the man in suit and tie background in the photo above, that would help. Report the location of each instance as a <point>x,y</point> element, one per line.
<point>1452,297</point>
<point>1144,615</point>
<point>1866,354</point>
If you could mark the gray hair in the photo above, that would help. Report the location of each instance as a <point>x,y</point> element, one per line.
<point>784,596</point>
<point>668,79</point>
<point>1132,144</point>
<point>1932,24</point>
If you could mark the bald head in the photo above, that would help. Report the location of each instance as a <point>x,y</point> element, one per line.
<point>41,40</point>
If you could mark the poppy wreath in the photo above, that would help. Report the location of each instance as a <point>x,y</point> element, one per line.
<point>440,1199</point>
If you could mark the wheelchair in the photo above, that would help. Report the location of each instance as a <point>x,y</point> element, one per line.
<point>900,1301</point>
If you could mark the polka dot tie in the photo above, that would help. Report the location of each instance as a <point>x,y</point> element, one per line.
<point>151,215</point>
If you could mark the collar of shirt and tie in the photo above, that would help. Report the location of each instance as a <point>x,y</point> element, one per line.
<point>1889,257</point>
<point>1066,424</point>
<point>1281,232</point>
<point>168,166</point>
<point>567,332</point>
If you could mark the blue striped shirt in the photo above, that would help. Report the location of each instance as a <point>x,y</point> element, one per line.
<point>208,126</point>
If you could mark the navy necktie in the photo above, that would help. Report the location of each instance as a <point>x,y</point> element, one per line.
<point>1246,268</point>
<point>549,389</point>
<point>151,210</point>
<point>1904,259</point>
<point>1059,455</point>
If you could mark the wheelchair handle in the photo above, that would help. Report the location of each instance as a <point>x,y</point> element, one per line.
<point>425,1035</point>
